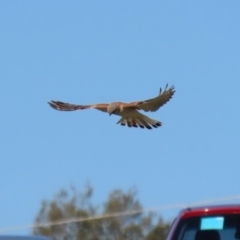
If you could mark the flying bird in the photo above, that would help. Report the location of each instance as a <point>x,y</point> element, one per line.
<point>128,112</point>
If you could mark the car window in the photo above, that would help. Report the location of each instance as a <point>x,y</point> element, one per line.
<point>224,227</point>
<point>228,234</point>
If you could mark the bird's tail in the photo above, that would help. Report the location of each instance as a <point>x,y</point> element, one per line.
<point>140,120</point>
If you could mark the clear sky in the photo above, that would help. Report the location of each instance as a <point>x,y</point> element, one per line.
<point>102,51</point>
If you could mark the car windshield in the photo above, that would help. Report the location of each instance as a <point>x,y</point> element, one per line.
<point>219,227</point>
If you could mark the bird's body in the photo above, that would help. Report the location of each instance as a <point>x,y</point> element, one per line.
<point>129,112</point>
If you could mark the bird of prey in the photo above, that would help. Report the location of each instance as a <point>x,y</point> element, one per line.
<point>128,112</point>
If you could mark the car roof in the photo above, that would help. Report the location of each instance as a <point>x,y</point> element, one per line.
<point>209,210</point>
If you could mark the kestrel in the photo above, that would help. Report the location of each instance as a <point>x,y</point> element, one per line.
<point>128,112</point>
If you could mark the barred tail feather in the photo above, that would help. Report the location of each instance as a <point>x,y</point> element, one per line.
<point>141,121</point>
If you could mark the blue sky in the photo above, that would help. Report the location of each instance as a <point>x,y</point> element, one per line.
<point>102,51</point>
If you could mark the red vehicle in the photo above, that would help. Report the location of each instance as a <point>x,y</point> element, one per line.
<point>207,223</point>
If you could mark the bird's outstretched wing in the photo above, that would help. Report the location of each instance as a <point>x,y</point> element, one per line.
<point>153,104</point>
<point>62,106</point>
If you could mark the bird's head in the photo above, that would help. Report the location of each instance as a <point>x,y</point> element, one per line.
<point>112,108</point>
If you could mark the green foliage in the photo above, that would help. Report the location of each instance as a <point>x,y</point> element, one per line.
<point>159,231</point>
<point>71,204</point>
